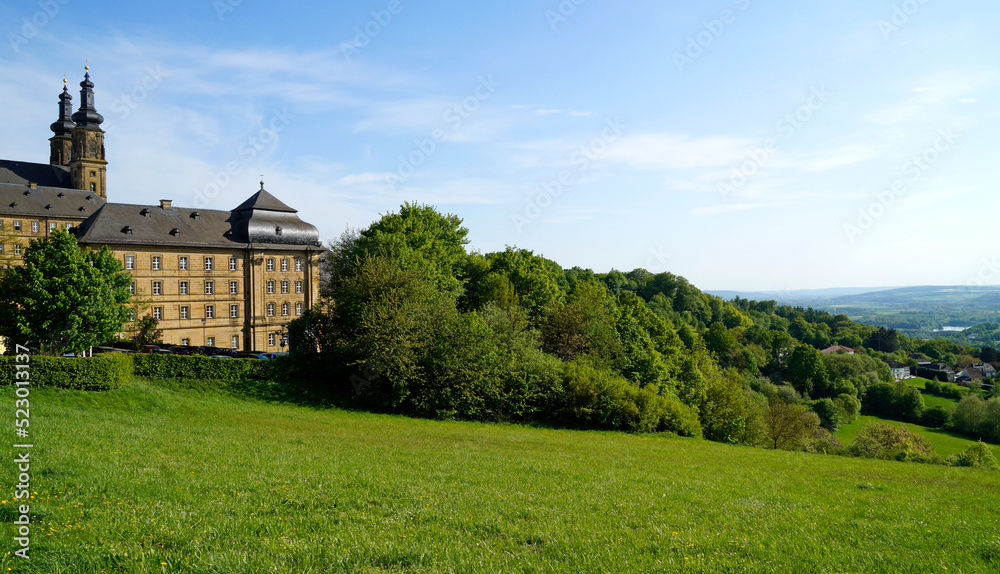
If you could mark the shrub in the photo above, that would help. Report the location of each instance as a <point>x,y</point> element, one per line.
<point>936,417</point>
<point>104,372</point>
<point>598,398</point>
<point>979,455</point>
<point>887,442</point>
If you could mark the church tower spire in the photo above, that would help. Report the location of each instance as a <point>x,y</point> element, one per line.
<point>88,166</point>
<point>61,143</point>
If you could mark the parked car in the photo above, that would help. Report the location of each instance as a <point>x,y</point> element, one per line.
<point>250,356</point>
<point>164,352</point>
<point>180,350</point>
<point>149,348</point>
<point>220,356</point>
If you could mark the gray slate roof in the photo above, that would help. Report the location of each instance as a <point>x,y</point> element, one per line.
<point>55,202</point>
<point>129,224</point>
<point>22,172</point>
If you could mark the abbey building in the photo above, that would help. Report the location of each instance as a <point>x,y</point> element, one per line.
<point>210,277</point>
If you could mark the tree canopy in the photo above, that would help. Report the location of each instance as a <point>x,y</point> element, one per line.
<point>61,298</point>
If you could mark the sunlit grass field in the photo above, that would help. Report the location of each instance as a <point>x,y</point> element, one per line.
<point>149,479</point>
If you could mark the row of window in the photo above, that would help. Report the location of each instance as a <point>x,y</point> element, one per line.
<point>234,311</point>
<point>182,286</point>
<point>156,261</point>
<point>234,341</point>
<point>35,226</point>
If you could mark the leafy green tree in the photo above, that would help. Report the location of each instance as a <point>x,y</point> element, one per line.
<point>883,340</point>
<point>789,424</point>
<point>419,237</point>
<point>512,276</point>
<point>62,298</point>
<point>148,331</point>
<point>828,413</point>
<point>806,371</point>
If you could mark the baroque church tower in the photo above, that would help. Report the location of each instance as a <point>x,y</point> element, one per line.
<point>61,144</point>
<point>78,142</point>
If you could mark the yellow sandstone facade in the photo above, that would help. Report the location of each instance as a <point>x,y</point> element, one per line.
<point>232,279</point>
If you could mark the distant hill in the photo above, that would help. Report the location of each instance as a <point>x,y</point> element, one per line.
<point>796,295</point>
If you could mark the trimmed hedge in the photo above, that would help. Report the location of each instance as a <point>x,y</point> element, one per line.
<point>163,366</point>
<point>100,373</point>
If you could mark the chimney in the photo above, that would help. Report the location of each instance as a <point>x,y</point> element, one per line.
<point>165,203</point>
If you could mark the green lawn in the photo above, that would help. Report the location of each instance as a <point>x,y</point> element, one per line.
<point>146,479</point>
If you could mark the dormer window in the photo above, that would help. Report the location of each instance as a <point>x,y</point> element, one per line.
<point>49,207</point>
<point>61,195</point>
<point>83,208</point>
<point>13,204</point>
<point>146,213</point>
<point>175,232</point>
<point>127,230</point>
<point>90,197</point>
<point>195,215</point>
<point>277,230</point>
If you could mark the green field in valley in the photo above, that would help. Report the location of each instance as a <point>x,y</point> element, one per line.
<point>149,479</point>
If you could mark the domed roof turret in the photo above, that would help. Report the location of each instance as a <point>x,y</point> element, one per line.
<point>64,125</point>
<point>87,116</point>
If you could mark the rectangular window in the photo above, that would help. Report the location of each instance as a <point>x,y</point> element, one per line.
<point>130,262</point>
<point>183,287</point>
<point>34,227</point>
<point>209,288</point>
<point>156,288</point>
<point>284,286</point>
<point>298,308</point>
<point>270,264</point>
<point>232,264</point>
<point>210,311</point>
<point>234,287</point>
<point>131,288</point>
<point>270,286</point>
<point>210,341</point>
<point>298,286</point>
<point>156,263</point>
<point>234,342</point>
<point>182,263</point>
<point>52,226</point>
<point>284,264</point>
<point>131,315</point>
<point>284,309</point>
<point>17,249</point>
<point>186,342</point>
<point>17,225</point>
<point>69,226</point>
<point>298,264</point>
<point>270,309</point>
<point>184,312</point>
<point>270,339</point>
<point>1,248</point>
<point>1,225</point>
<point>158,313</point>
<point>208,264</point>
<point>234,311</point>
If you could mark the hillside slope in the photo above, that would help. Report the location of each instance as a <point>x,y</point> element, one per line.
<point>147,479</point>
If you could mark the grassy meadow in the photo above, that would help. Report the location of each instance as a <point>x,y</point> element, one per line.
<point>154,479</point>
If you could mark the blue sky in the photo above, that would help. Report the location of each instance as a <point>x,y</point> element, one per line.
<point>742,144</point>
